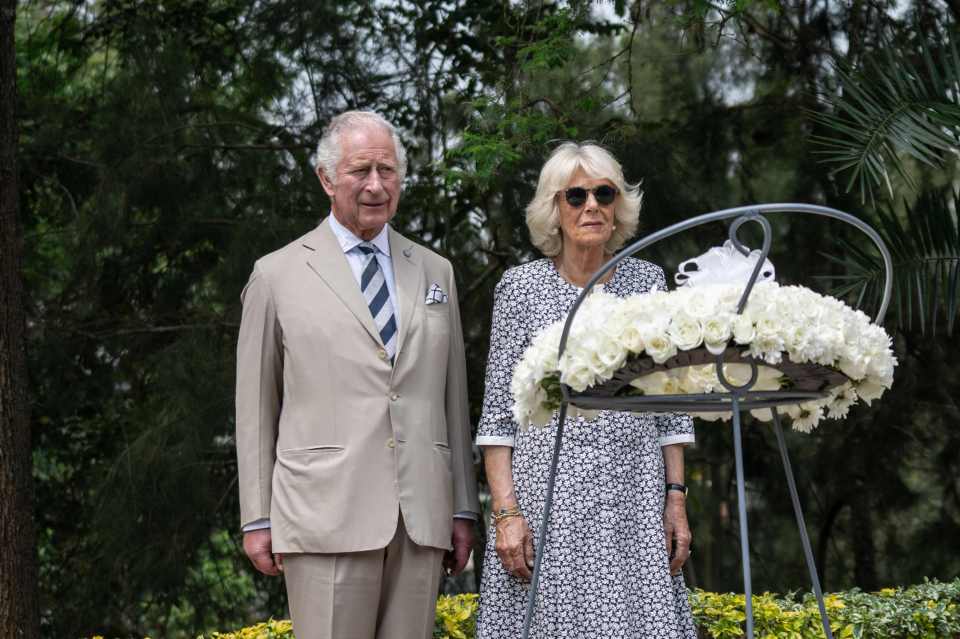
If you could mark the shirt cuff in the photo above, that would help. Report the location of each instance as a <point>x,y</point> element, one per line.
<point>257,524</point>
<point>466,514</point>
<point>682,438</point>
<point>494,440</point>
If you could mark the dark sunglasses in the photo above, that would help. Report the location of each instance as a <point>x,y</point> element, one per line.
<point>577,196</point>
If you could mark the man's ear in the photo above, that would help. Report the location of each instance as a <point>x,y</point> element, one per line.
<point>325,182</point>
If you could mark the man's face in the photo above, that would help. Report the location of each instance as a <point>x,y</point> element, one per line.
<point>366,189</point>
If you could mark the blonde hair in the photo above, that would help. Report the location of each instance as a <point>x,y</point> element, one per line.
<point>543,212</point>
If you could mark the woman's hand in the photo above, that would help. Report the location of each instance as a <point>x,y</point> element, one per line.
<point>514,545</point>
<point>677,530</point>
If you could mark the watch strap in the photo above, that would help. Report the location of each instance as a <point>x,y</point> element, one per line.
<point>678,487</point>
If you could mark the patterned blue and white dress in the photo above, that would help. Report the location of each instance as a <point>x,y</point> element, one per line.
<point>605,572</point>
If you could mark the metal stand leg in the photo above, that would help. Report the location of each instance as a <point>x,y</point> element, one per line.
<point>801,524</point>
<point>742,507</point>
<point>542,537</point>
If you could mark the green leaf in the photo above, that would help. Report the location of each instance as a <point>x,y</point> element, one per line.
<point>900,103</point>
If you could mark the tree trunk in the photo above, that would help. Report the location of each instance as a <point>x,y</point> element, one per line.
<point>19,609</point>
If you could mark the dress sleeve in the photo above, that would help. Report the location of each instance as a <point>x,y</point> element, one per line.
<point>508,339</point>
<point>672,428</point>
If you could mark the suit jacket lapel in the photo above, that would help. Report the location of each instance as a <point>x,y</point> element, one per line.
<point>327,260</point>
<point>408,275</point>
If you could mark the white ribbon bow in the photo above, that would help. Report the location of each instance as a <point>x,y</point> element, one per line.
<point>723,265</point>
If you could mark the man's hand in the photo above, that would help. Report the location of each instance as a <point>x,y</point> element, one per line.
<point>677,530</point>
<point>455,560</point>
<point>258,544</point>
<point>514,545</point>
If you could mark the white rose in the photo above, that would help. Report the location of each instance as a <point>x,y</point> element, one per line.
<point>658,345</point>
<point>716,333</point>
<point>686,332</point>
<point>631,339</point>
<point>613,323</point>
<point>612,356</point>
<point>577,375</point>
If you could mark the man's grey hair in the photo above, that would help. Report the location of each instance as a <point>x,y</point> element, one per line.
<point>329,151</point>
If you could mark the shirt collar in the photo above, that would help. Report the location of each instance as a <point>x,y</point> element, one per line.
<point>348,241</point>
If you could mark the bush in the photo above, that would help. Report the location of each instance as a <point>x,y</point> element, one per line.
<point>926,611</point>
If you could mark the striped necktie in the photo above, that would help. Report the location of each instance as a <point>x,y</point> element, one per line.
<point>373,285</point>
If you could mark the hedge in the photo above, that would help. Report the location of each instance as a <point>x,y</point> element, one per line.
<point>930,610</point>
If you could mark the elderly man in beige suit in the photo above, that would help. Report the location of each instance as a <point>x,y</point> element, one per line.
<point>353,440</point>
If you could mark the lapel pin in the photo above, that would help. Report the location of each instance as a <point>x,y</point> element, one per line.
<point>407,252</point>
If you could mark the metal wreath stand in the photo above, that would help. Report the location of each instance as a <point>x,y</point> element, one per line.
<point>736,399</point>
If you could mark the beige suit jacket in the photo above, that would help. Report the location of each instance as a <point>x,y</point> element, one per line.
<point>333,440</point>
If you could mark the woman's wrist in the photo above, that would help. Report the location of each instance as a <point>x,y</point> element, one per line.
<point>505,502</point>
<point>676,498</point>
<point>503,514</point>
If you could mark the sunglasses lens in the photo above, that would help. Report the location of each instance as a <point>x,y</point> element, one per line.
<point>576,196</point>
<point>605,194</point>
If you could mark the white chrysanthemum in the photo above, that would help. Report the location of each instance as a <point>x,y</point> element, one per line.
<point>807,417</point>
<point>841,399</point>
<point>869,390</point>
<point>743,328</point>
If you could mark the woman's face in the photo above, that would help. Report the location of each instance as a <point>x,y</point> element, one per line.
<point>591,223</point>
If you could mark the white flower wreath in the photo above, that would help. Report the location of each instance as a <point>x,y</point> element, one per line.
<point>778,320</point>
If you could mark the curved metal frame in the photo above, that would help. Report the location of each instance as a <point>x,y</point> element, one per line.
<point>736,399</point>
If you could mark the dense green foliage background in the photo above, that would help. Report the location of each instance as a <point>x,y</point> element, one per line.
<point>165,145</point>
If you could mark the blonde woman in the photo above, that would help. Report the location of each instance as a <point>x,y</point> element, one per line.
<point>618,533</point>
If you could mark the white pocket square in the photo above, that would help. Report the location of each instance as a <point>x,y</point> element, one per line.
<point>435,295</point>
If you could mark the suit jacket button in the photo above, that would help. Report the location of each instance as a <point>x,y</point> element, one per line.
<point>382,354</point>
<point>394,397</point>
<point>390,443</point>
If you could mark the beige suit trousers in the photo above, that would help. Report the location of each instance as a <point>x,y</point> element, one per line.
<point>388,593</point>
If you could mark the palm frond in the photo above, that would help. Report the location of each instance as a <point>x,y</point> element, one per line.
<point>925,246</point>
<point>900,103</point>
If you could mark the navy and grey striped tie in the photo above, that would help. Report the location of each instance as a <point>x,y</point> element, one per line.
<point>374,288</point>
